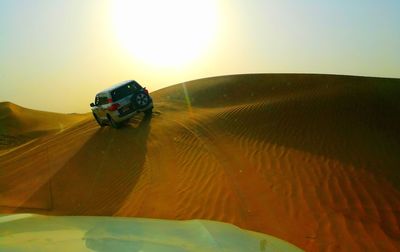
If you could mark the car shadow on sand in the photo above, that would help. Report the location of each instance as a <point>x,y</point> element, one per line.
<point>101,175</point>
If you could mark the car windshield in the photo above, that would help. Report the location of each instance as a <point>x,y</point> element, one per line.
<point>124,91</point>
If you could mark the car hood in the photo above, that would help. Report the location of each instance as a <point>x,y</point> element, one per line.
<point>31,232</point>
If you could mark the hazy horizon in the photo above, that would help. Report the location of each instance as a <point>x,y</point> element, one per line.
<point>56,55</point>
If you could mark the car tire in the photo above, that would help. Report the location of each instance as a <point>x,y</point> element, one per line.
<point>98,120</point>
<point>113,123</point>
<point>141,100</point>
<point>149,112</point>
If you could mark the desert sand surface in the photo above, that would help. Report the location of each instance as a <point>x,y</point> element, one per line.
<point>310,159</point>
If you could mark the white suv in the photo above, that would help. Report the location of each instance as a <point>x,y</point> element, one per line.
<point>119,103</point>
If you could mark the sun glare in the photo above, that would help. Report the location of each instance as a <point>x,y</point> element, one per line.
<point>165,33</point>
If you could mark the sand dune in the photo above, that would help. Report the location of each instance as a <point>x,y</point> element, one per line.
<point>311,159</point>
<point>19,125</point>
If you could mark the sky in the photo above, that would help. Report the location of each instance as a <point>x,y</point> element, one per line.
<point>55,55</point>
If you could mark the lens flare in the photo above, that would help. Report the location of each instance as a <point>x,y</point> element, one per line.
<point>165,33</point>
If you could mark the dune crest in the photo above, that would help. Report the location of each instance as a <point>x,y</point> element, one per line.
<point>311,159</point>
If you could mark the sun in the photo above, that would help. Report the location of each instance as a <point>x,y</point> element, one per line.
<point>165,33</point>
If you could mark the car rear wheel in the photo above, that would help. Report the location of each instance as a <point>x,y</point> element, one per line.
<point>98,120</point>
<point>148,112</point>
<point>113,123</point>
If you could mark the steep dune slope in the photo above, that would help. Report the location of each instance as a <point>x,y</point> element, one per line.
<point>312,159</point>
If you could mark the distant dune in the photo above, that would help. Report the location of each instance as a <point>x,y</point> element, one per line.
<point>19,125</point>
<point>311,159</point>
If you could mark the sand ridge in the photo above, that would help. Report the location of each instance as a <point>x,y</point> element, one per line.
<point>19,125</point>
<point>311,159</point>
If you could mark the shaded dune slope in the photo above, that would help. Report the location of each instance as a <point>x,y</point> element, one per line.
<point>19,125</point>
<point>312,159</point>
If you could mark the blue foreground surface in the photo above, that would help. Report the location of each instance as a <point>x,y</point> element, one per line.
<point>31,232</point>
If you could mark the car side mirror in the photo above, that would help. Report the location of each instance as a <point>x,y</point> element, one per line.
<point>92,104</point>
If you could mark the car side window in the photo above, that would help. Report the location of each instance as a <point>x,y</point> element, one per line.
<point>101,100</point>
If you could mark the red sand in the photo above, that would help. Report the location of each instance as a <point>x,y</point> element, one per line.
<point>311,159</point>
